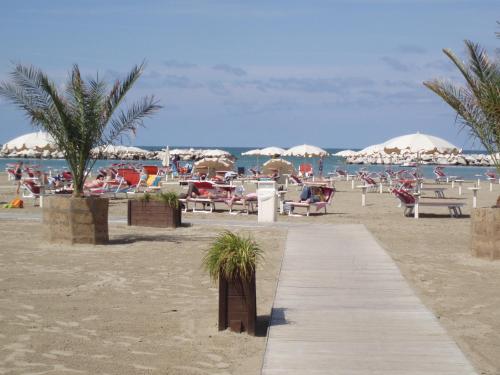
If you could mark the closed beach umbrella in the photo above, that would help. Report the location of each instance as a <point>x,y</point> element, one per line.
<point>307,151</point>
<point>420,143</point>
<point>281,165</point>
<point>166,157</point>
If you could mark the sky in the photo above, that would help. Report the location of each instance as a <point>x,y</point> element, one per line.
<point>337,74</point>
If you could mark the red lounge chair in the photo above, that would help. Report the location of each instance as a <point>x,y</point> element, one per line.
<point>209,195</point>
<point>370,182</point>
<point>31,190</point>
<point>150,169</point>
<point>408,202</point>
<point>441,176</point>
<point>328,193</point>
<point>306,169</point>
<point>247,201</point>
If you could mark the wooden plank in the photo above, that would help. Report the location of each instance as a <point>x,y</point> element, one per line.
<point>343,307</point>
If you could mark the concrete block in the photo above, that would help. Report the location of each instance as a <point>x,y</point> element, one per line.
<point>485,233</point>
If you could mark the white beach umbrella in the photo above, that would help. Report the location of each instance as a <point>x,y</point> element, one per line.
<point>254,152</point>
<point>272,151</point>
<point>280,165</point>
<point>37,141</point>
<point>213,164</point>
<point>420,143</point>
<point>371,150</point>
<point>305,151</point>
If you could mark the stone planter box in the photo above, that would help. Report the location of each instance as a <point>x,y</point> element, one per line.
<point>237,305</point>
<point>75,220</point>
<point>153,214</point>
<point>485,225</point>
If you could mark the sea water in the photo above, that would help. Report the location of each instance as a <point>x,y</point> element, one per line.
<point>331,163</point>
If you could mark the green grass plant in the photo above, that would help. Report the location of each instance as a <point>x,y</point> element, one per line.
<point>170,198</point>
<point>233,256</point>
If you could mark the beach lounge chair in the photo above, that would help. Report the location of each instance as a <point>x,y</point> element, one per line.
<point>327,194</point>
<point>248,202</point>
<point>31,190</point>
<point>150,169</point>
<point>492,177</point>
<point>306,170</point>
<point>341,174</point>
<point>369,182</point>
<point>133,178</point>
<point>209,194</point>
<point>153,183</point>
<point>110,188</point>
<point>296,180</point>
<point>441,176</point>
<point>409,202</point>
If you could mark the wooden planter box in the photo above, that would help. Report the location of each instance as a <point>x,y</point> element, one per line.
<point>237,305</point>
<point>485,236</point>
<point>153,214</point>
<point>75,220</point>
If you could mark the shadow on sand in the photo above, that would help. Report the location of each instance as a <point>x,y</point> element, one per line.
<point>170,238</point>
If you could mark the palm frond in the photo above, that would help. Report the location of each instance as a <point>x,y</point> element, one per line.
<point>471,82</point>
<point>479,62</point>
<point>120,89</point>
<point>127,122</point>
<point>478,103</point>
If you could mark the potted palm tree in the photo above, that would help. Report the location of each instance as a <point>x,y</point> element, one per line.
<point>478,109</point>
<point>155,210</point>
<point>81,116</point>
<point>232,260</point>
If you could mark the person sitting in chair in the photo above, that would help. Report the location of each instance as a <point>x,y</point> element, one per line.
<point>312,194</point>
<point>192,192</point>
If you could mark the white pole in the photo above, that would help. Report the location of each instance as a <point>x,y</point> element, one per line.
<point>415,207</point>
<point>363,196</point>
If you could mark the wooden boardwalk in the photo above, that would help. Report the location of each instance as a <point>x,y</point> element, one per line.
<point>342,307</point>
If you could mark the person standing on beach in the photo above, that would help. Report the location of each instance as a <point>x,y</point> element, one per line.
<point>18,175</point>
<point>320,166</point>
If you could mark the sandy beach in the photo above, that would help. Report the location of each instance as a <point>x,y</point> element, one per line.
<point>143,304</point>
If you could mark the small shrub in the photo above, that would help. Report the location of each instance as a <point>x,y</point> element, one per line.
<point>146,197</point>
<point>232,255</point>
<point>170,198</point>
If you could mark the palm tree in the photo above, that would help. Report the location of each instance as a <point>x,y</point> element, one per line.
<point>477,104</point>
<point>81,116</point>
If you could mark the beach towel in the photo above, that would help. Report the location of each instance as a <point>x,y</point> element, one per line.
<point>15,203</point>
